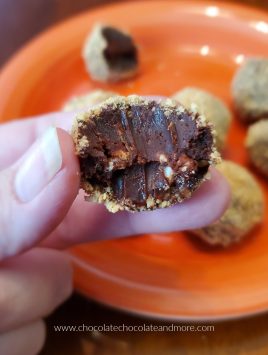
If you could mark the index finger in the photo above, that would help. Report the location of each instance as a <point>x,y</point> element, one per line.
<point>87,222</point>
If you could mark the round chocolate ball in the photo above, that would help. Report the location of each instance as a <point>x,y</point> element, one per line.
<point>110,54</point>
<point>257,145</point>
<point>207,104</point>
<point>246,209</point>
<point>250,90</point>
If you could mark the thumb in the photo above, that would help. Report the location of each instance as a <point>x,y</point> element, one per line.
<point>37,192</point>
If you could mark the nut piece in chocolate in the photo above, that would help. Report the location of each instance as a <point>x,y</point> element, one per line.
<point>257,145</point>
<point>110,54</point>
<point>244,213</point>
<point>250,90</point>
<point>138,154</point>
<point>211,107</point>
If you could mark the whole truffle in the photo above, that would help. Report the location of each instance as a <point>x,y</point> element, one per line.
<point>250,90</point>
<point>141,154</point>
<point>110,54</point>
<point>88,100</point>
<point>246,209</point>
<point>257,145</point>
<point>211,107</point>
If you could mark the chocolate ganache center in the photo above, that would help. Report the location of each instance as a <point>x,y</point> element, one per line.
<point>142,150</point>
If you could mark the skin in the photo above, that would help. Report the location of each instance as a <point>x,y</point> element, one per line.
<point>35,277</point>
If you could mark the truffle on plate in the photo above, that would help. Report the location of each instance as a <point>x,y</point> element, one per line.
<point>246,209</point>
<point>257,145</point>
<point>250,90</point>
<point>110,54</point>
<point>141,154</point>
<point>211,107</point>
<point>87,100</point>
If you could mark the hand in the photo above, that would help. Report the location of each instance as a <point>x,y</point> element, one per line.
<point>32,285</point>
<point>39,182</point>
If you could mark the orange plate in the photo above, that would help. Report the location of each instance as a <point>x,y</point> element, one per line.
<point>180,43</point>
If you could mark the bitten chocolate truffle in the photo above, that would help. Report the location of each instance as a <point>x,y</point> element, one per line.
<point>138,154</point>
<point>257,145</point>
<point>211,107</point>
<point>88,100</point>
<point>110,54</point>
<point>246,209</point>
<point>250,90</point>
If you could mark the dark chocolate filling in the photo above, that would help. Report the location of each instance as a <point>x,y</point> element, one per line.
<point>120,53</point>
<point>133,149</point>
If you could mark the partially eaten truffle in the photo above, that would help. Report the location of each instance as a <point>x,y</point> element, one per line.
<point>139,154</point>
<point>110,54</point>
<point>246,209</point>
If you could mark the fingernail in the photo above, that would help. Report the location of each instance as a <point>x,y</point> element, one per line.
<point>38,167</point>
